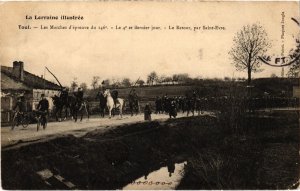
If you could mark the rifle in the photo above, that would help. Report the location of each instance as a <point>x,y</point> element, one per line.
<point>134,84</point>
<point>54,77</point>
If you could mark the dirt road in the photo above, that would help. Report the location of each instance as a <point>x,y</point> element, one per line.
<point>29,134</point>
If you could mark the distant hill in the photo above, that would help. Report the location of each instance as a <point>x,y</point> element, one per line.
<point>214,88</point>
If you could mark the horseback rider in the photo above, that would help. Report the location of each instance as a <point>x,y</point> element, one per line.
<point>64,95</point>
<point>79,96</point>
<point>114,95</point>
<point>133,97</point>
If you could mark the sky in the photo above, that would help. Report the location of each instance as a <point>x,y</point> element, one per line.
<point>111,53</point>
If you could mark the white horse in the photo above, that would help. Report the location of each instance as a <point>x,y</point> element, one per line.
<point>111,104</point>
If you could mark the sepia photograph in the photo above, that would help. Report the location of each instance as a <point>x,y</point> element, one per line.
<point>150,95</point>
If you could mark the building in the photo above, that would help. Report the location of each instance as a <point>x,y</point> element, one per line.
<point>15,81</point>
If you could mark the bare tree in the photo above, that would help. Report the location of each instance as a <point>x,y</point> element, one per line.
<point>95,82</point>
<point>248,44</point>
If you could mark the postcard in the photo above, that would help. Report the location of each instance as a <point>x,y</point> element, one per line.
<point>150,95</point>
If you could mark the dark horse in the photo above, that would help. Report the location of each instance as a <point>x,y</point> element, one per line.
<point>61,104</point>
<point>102,103</point>
<point>70,104</point>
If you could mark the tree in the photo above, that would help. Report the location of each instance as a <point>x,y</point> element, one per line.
<point>295,67</point>
<point>140,82</point>
<point>151,78</point>
<point>126,82</point>
<point>248,44</point>
<point>175,78</point>
<point>83,86</point>
<point>162,79</point>
<point>95,82</point>
<point>183,78</point>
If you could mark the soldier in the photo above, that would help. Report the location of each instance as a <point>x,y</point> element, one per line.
<point>64,96</point>
<point>43,104</point>
<point>20,105</point>
<point>114,95</point>
<point>147,112</point>
<point>19,109</point>
<point>172,109</point>
<point>79,95</point>
<point>133,94</point>
<point>43,108</point>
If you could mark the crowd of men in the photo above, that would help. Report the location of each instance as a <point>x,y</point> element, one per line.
<point>195,103</point>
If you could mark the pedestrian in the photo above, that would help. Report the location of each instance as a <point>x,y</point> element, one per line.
<point>147,112</point>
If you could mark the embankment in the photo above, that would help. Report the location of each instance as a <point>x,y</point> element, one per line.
<point>264,157</point>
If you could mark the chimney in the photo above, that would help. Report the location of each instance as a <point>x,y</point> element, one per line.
<point>18,70</point>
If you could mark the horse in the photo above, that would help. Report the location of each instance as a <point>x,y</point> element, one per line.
<point>111,105</point>
<point>102,103</point>
<point>60,104</point>
<point>70,103</point>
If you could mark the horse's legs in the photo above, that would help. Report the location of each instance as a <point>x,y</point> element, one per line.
<point>87,111</point>
<point>66,112</point>
<point>109,112</point>
<point>81,114</point>
<point>55,113</point>
<point>121,108</point>
<point>75,113</point>
<point>60,113</point>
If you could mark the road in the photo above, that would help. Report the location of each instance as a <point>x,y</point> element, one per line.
<point>30,134</point>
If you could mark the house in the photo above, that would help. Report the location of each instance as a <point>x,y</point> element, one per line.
<point>15,81</point>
